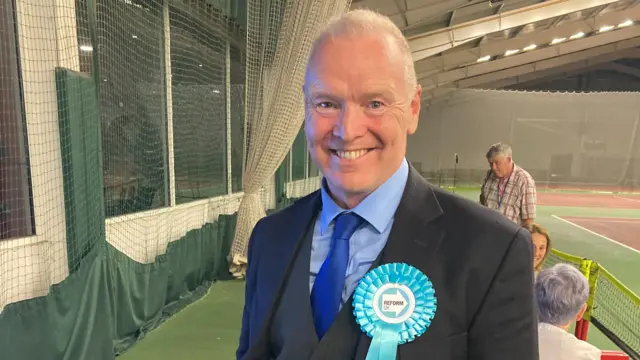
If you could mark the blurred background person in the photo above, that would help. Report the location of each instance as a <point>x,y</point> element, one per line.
<point>561,294</point>
<point>508,188</point>
<point>541,245</point>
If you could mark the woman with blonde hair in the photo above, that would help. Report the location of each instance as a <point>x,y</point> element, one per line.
<point>541,245</point>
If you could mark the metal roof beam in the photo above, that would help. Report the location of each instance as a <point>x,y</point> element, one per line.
<point>434,42</point>
<point>540,59</point>
<point>626,70</point>
<point>523,74</point>
<point>452,60</point>
<point>445,94</point>
<point>540,77</point>
<point>403,11</point>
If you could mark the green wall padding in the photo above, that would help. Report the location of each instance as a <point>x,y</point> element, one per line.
<point>72,322</point>
<point>145,295</point>
<point>111,301</point>
<point>79,124</point>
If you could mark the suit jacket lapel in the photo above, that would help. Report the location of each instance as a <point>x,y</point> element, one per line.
<point>415,236</point>
<point>414,239</point>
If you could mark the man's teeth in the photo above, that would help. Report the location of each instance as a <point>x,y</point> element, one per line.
<point>351,155</point>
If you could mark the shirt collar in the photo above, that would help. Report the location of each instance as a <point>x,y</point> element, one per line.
<point>378,208</point>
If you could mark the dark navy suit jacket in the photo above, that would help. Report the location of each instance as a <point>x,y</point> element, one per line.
<point>480,264</point>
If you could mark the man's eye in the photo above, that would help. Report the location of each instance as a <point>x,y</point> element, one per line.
<point>375,104</point>
<point>325,105</point>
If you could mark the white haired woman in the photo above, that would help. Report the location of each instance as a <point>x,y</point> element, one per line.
<point>561,293</point>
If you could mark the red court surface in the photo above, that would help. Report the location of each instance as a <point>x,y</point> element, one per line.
<point>623,231</point>
<point>616,201</point>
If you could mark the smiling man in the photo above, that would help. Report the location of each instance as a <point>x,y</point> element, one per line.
<point>362,100</point>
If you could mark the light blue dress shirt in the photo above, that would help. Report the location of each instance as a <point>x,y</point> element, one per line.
<point>378,209</point>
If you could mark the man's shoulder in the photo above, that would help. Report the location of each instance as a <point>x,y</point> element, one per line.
<point>473,213</point>
<point>478,229</point>
<point>279,219</point>
<point>272,233</point>
<point>587,351</point>
<point>489,176</point>
<point>553,340</point>
<point>523,175</point>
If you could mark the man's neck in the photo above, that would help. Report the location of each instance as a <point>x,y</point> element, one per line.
<point>350,200</point>
<point>347,201</point>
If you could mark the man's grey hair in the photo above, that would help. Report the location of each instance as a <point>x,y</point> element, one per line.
<point>367,22</point>
<point>561,291</point>
<point>499,149</point>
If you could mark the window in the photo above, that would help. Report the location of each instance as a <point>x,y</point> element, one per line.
<point>238,77</point>
<point>131,65</point>
<point>198,55</point>
<point>16,212</point>
<point>192,82</point>
<point>299,155</point>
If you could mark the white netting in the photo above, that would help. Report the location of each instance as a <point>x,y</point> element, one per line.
<point>276,61</point>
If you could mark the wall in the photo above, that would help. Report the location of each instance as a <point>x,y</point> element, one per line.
<point>29,265</point>
<point>596,130</point>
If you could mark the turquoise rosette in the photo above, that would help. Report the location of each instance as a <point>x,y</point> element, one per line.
<point>393,304</point>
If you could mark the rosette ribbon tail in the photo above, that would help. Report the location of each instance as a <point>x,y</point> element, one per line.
<point>384,344</point>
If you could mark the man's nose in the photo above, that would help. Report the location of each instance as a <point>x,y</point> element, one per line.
<point>350,124</point>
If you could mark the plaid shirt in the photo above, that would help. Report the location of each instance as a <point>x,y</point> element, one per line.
<point>518,199</point>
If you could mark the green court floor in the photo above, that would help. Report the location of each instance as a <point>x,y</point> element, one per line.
<point>208,329</point>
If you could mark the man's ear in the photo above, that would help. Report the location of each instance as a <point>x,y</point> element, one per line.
<point>581,313</point>
<point>415,111</point>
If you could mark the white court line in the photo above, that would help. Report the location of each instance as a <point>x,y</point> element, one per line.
<point>624,198</point>
<point>613,220</point>
<point>595,233</point>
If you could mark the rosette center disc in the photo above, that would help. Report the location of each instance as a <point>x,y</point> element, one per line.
<point>394,303</point>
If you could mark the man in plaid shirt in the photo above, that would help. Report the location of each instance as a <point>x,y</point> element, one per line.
<point>508,188</point>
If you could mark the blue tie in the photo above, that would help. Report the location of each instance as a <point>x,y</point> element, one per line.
<point>327,289</point>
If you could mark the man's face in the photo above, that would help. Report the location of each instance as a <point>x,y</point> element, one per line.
<point>358,113</point>
<point>501,165</point>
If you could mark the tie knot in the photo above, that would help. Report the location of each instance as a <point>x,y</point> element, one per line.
<point>346,224</point>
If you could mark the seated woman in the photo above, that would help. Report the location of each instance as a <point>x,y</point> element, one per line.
<point>561,293</point>
<point>541,245</point>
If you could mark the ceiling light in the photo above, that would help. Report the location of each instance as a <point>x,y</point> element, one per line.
<point>511,52</point>
<point>577,35</point>
<point>216,91</point>
<point>86,48</point>
<point>530,47</point>
<point>625,24</point>
<point>606,28</point>
<point>134,36</point>
<point>557,40</point>
<point>484,58</point>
